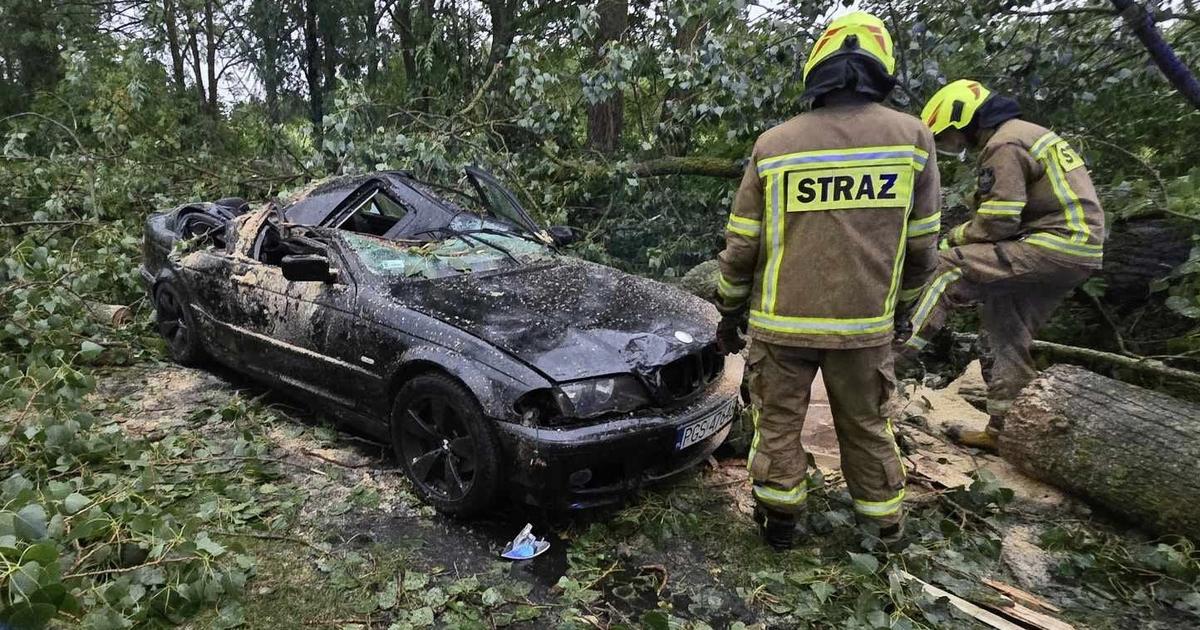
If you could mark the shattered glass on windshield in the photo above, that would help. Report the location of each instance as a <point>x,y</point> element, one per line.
<point>475,252</point>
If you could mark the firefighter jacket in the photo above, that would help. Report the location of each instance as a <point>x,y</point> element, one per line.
<point>1033,187</point>
<point>834,223</point>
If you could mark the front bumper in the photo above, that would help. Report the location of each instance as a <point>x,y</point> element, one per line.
<point>601,464</point>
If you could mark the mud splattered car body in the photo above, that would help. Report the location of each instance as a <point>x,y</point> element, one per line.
<point>493,363</point>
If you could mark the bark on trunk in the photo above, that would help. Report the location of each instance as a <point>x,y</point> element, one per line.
<point>403,21</point>
<point>312,69</point>
<point>210,41</point>
<point>170,21</point>
<point>606,118</point>
<point>1139,251</point>
<point>503,15</point>
<point>1132,451</point>
<point>197,70</point>
<point>692,165</point>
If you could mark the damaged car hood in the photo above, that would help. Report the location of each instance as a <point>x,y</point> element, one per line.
<point>569,319</point>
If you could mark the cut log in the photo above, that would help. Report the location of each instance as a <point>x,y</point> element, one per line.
<point>115,315</point>
<point>1130,450</point>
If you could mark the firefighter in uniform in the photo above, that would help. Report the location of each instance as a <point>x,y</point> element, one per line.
<point>1036,233</point>
<point>833,227</point>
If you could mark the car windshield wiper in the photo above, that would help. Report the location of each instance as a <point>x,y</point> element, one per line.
<point>469,234</point>
<point>522,235</point>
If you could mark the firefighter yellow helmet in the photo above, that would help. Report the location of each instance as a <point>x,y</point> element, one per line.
<point>855,33</point>
<point>954,105</point>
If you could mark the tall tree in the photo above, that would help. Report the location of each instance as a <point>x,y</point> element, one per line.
<point>174,48</point>
<point>210,46</point>
<point>270,26</point>
<point>606,117</point>
<point>312,66</point>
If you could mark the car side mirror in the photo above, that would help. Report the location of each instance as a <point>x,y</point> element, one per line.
<point>562,235</point>
<point>307,268</point>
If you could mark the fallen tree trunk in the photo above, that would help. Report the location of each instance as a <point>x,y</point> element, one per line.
<point>1139,251</point>
<point>691,165</point>
<point>1127,449</point>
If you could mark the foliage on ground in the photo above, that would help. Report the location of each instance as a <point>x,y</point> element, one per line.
<point>102,528</point>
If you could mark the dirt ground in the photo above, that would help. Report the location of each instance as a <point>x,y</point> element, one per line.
<point>357,499</point>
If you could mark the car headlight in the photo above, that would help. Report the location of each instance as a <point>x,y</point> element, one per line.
<point>594,397</point>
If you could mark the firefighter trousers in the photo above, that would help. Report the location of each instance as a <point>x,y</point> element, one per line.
<point>859,383</point>
<point>1017,287</point>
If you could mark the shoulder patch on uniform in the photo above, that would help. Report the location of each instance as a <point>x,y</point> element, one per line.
<point>987,179</point>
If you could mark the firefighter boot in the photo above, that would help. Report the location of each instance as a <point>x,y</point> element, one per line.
<point>985,440</point>
<point>777,528</point>
<point>884,539</point>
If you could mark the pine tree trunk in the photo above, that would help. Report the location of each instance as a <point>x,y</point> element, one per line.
<point>1132,451</point>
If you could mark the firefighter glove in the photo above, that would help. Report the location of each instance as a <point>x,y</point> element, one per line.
<point>729,338</point>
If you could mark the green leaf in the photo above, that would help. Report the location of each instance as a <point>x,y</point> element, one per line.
<point>90,350</point>
<point>231,616</point>
<point>864,562</point>
<point>30,616</point>
<point>44,553</point>
<point>414,581</point>
<point>655,620</point>
<point>421,617</point>
<point>75,502</point>
<point>30,522</point>
<point>492,597</point>
<point>822,590</point>
<point>208,545</point>
<point>23,582</point>
<point>388,597</point>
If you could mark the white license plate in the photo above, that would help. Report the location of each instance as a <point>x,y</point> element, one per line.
<point>701,429</point>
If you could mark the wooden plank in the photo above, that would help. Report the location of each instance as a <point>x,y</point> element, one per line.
<point>1021,596</point>
<point>991,619</point>
<point>1031,617</point>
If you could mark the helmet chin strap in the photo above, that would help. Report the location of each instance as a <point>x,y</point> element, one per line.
<point>960,155</point>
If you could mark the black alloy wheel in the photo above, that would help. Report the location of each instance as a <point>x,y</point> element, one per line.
<point>176,325</point>
<point>445,445</point>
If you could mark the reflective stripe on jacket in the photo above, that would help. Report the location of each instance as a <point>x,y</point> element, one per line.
<point>1033,186</point>
<point>835,221</point>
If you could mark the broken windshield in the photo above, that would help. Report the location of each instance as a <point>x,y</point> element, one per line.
<point>475,253</point>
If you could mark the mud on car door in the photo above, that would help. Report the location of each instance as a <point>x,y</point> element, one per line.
<point>283,326</point>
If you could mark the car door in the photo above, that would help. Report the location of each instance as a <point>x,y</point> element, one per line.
<point>503,204</point>
<point>283,326</point>
<point>357,352</point>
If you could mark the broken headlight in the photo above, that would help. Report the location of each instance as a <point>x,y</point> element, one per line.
<point>598,396</point>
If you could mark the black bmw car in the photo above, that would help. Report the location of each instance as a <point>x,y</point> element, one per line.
<point>448,324</point>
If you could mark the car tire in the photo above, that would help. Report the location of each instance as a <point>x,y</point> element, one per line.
<point>447,448</point>
<point>177,325</point>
